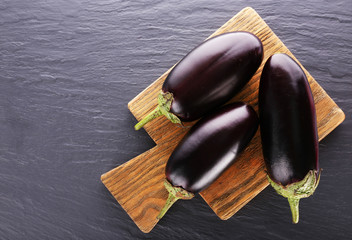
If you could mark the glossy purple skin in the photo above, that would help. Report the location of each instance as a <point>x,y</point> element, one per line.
<point>287,121</point>
<point>211,146</point>
<point>212,73</point>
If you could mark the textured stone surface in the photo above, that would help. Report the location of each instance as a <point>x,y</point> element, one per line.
<point>67,72</point>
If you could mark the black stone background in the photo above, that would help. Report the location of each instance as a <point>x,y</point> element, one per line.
<point>68,70</point>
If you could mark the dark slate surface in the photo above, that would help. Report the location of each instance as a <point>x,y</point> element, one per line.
<point>67,72</point>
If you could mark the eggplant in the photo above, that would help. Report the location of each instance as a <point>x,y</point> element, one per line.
<point>207,77</point>
<point>207,150</point>
<point>288,128</point>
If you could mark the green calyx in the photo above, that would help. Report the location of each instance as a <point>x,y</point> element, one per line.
<point>163,108</point>
<point>175,193</point>
<point>295,191</point>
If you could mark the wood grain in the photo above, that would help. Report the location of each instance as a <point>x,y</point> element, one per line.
<point>138,184</point>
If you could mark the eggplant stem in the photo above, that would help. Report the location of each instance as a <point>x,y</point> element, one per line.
<point>175,193</point>
<point>169,202</point>
<point>294,205</point>
<point>152,115</point>
<point>297,190</point>
<point>163,108</point>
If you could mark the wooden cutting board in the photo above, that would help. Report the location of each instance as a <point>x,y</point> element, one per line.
<point>138,184</point>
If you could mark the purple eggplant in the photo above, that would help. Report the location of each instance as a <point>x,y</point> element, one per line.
<point>207,77</point>
<point>288,128</point>
<point>207,150</point>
